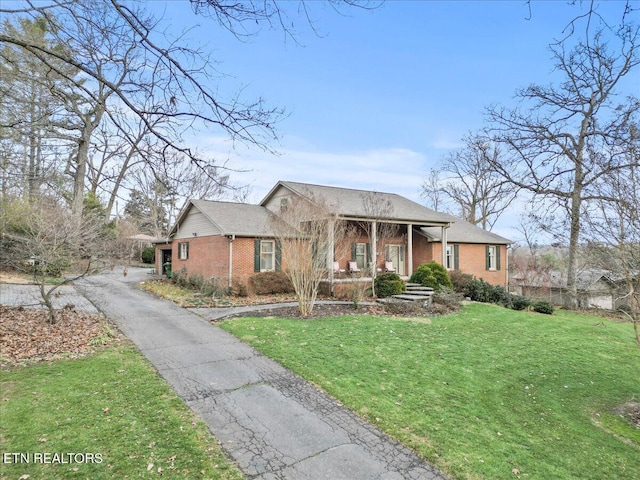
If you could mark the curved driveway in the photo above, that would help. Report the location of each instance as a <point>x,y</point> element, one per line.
<point>271,422</point>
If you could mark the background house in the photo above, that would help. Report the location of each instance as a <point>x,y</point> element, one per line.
<point>597,288</point>
<point>232,241</point>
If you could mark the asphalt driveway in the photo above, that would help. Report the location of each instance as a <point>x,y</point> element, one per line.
<point>271,422</point>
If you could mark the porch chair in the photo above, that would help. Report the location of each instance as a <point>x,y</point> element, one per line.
<point>353,267</point>
<point>337,270</point>
<point>388,267</point>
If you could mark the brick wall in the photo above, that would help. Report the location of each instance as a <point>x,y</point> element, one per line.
<point>243,258</point>
<point>208,257</point>
<point>473,261</point>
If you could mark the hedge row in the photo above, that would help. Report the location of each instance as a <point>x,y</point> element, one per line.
<point>478,290</point>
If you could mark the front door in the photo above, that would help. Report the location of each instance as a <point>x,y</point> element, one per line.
<point>395,255</point>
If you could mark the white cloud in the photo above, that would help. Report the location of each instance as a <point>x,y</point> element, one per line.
<point>392,170</point>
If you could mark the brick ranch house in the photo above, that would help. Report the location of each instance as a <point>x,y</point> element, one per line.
<point>232,241</point>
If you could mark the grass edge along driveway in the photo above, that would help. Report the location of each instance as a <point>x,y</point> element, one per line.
<point>485,393</point>
<point>112,412</point>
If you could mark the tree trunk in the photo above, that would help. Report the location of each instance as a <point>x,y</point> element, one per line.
<point>571,300</point>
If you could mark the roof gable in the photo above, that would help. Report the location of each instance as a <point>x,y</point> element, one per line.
<point>231,218</point>
<point>362,204</point>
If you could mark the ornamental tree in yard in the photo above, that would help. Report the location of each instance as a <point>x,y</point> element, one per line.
<point>45,239</point>
<point>307,233</point>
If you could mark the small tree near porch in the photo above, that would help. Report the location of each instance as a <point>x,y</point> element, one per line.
<point>307,232</point>
<point>378,210</point>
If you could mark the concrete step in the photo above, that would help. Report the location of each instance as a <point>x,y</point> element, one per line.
<point>412,298</point>
<point>419,289</point>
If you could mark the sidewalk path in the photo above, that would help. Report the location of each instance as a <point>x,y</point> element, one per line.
<point>271,422</point>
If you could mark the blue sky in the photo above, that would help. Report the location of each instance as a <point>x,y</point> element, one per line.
<point>374,99</point>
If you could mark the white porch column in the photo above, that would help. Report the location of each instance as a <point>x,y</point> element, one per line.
<point>374,248</point>
<point>409,249</point>
<point>331,250</point>
<point>444,245</point>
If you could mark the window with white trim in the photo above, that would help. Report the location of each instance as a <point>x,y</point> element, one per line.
<point>183,250</point>
<point>267,255</point>
<point>492,258</point>
<point>450,257</point>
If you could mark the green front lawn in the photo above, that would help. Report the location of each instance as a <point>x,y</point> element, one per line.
<point>487,393</point>
<point>104,416</point>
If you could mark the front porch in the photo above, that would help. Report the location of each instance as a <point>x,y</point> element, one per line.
<point>340,286</point>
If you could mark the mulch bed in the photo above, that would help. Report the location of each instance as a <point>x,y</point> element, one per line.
<point>319,310</point>
<point>26,334</point>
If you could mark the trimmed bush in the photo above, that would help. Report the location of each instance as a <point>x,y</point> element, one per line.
<point>461,281</point>
<point>269,283</point>
<point>520,303</point>
<point>388,284</point>
<point>543,307</point>
<point>432,275</point>
<point>148,255</point>
<point>479,291</point>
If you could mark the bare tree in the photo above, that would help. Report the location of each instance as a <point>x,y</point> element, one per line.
<point>45,239</point>
<point>307,232</point>
<point>122,69</point>
<point>466,183</point>
<point>118,68</point>
<point>613,223</point>
<point>432,191</point>
<point>553,143</point>
<point>378,209</point>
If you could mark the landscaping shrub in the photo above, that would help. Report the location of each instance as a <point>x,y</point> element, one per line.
<point>148,255</point>
<point>195,282</point>
<point>180,278</point>
<point>461,281</point>
<point>388,284</point>
<point>215,287</point>
<point>239,289</point>
<point>445,301</point>
<point>543,307</point>
<point>432,275</point>
<point>268,283</point>
<point>479,291</point>
<point>403,308</point>
<point>500,296</point>
<point>355,290</point>
<point>520,303</point>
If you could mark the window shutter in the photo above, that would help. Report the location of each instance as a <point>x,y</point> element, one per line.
<point>256,255</point>
<point>353,252</point>
<point>497,257</point>
<point>456,257</point>
<point>278,256</point>
<point>487,258</point>
<point>368,253</point>
<point>386,253</point>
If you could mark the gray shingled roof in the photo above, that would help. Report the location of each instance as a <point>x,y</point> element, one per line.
<point>465,232</point>
<point>241,219</point>
<point>350,203</point>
